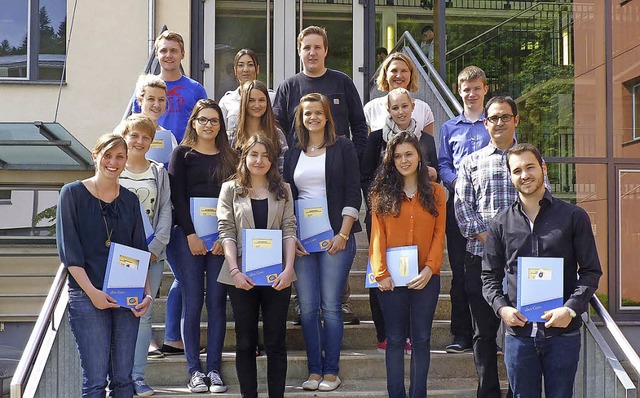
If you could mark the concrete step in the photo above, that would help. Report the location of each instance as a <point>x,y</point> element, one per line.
<point>463,388</point>
<point>359,305</point>
<point>360,337</point>
<point>21,307</point>
<point>25,283</point>
<point>355,366</point>
<point>356,282</point>
<point>21,262</point>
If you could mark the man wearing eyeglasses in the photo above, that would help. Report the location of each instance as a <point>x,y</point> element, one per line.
<point>483,189</point>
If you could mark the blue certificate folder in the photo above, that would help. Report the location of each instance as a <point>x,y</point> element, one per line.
<point>149,233</point>
<point>204,214</point>
<point>314,229</point>
<point>402,263</point>
<point>161,147</point>
<point>126,274</point>
<point>262,255</point>
<point>540,286</point>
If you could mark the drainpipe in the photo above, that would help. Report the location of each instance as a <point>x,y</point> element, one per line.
<point>152,25</point>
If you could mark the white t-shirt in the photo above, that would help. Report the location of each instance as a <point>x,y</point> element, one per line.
<point>144,186</point>
<point>375,111</point>
<point>309,176</point>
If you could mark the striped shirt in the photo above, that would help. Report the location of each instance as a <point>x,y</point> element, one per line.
<point>483,189</point>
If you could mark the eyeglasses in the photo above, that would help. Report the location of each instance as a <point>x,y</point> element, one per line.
<point>504,118</point>
<point>203,121</point>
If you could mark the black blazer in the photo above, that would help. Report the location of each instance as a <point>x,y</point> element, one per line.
<point>342,178</point>
<point>374,151</point>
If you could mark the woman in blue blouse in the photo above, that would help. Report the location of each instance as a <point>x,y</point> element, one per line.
<point>91,214</point>
<point>198,167</point>
<point>324,164</point>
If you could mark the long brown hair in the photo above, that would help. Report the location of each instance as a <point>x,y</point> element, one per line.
<point>243,176</point>
<point>267,120</point>
<point>387,192</point>
<point>228,155</point>
<point>330,136</point>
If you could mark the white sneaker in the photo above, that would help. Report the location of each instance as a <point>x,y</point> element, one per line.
<point>197,384</point>
<point>215,382</point>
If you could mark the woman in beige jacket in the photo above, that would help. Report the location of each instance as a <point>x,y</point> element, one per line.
<point>258,198</point>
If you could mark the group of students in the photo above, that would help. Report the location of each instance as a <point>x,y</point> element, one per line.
<point>259,153</point>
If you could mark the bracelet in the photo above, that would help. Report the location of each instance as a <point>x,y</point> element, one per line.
<point>149,297</point>
<point>231,272</point>
<point>343,236</point>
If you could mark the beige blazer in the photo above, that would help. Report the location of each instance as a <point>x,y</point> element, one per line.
<point>235,214</point>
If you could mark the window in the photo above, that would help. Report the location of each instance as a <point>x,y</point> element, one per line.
<point>5,196</point>
<point>635,110</point>
<point>33,35</point>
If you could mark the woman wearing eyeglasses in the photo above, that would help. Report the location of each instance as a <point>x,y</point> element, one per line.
<point>198,167</point>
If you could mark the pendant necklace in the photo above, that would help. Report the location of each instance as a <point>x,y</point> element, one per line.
<point>107,242</point>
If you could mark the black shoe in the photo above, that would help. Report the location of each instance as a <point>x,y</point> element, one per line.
<point>169,350</point>
<point>458,347</point>
<point>348,317</point>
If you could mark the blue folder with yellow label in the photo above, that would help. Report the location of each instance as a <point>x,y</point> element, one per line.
<point>204,214</point>
<point>161,147</point>
<point>262,255</point>
<point>540,286</point>
<point>402,264</point>
<point>126,274</point>
<point>314,229</point>
<point>149,233</point>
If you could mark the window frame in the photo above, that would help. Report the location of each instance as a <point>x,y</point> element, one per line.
<point>33,49</point>
<point>635,113</point>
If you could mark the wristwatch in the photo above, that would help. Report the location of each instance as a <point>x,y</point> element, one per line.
<point>343,236</point>
<point>149,296</point>
<point>572,313</point>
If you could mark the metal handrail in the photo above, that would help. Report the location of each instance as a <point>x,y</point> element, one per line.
<point>617,334</point>
<point>435,76</point>
<point>45,318</point>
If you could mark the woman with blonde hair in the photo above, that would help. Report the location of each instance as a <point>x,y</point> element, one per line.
<point>397,70</point>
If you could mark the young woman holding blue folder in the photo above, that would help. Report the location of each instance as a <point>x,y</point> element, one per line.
<point>198,167</point>
<point>258,198</point>
<point>407,209</point>
<point>324,164</point>
<point>91,214</point>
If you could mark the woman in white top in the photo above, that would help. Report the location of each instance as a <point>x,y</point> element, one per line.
<point>256,116</point>
<point>397,70</point>
<point>245,68</point>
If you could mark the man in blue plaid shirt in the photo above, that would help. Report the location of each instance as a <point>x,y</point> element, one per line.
<point>483,189</point>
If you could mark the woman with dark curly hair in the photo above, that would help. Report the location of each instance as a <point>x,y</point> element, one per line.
<point>258,198</point>
<point>407,209</point>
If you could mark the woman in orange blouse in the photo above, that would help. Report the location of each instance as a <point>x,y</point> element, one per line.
<point>407,209</point>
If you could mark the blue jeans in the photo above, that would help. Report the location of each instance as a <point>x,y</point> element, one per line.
<point>415,309</point>
<point>105,340</point>
<point>173,319</point>
<point>144,331</point>
<point>528,359</point>
<point>321,279</point>
<point>195,270</point>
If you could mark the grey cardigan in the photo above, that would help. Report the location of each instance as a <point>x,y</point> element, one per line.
<point>235,214</point>
<point>162,218</point>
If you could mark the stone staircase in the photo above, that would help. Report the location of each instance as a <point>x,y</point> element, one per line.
<point>362,368</point>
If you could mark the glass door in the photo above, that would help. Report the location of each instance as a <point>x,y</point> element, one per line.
<point>629,238</point>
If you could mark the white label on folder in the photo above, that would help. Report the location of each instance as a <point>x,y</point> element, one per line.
<point>208,211</point>
<point>262,243</point>
<point>157,143</point>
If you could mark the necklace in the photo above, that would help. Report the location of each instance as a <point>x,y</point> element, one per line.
<point>107,242</point>
<point>261,194</point>
<point>411,193</point>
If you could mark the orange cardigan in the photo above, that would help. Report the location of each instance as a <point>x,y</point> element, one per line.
<point>414,226</point>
